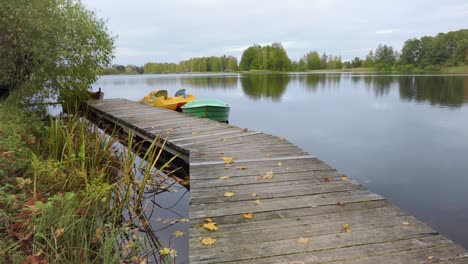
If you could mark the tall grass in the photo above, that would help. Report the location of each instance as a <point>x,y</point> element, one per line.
<point>86,202</point>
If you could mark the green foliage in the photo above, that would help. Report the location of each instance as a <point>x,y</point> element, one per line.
<point>313,61</point>
<point>15,139</point>
<point>204,64</point>
<point>53,46</point>
<point>273,58</point>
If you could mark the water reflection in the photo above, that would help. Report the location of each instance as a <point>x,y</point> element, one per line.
<point>314,81</point>
<point>449,91</point>
<point>210,82</point>
<point>259,86</point>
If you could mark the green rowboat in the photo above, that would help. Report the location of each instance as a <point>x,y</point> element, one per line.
<point>213,109</point>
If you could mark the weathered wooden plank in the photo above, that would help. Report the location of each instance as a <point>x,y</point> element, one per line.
<point>240,207</point>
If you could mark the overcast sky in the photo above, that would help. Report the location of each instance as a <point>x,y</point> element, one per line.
<point>174,30</point>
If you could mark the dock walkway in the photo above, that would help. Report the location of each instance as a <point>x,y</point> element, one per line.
<point>301,210</point>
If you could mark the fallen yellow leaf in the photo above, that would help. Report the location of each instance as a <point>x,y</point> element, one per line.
<point>59,232</point>
<point>224,177</point>
<point>184,220</point>
<point>257,202</point>
<point>194,132</point>
<point>241,168</point>
<point>209,220</point>
<point>168,251</point>
<point>248,215</point>
<point>210,226</point>
<point>208,241</point>
<point>279,164</point>
<point>345,228</point>
<point>405,223</point>
<point>254,194</point>
<point>178,233</point>
<point>268,175</point>
<point>430,257</point>
<point>228,194</point>
<point>302,240</point>
<point>344,178</point>
<point>280,139</point>
<point>228,160</point>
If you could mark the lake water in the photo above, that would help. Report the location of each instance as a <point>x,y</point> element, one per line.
<point>403,137</point>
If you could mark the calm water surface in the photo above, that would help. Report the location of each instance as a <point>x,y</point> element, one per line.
<point>403,137</point>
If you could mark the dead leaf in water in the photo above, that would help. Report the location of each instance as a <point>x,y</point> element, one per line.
<point>178,233</point>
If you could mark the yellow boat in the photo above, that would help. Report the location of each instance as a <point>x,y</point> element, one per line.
<point>160,98</point>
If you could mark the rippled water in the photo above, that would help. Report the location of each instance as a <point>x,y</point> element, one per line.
<point>403,137</point>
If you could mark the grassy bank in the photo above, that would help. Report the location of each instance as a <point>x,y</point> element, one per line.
<point>64,191</point>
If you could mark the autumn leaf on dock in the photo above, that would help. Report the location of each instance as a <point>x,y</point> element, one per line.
<point>345,228</point>
<point>228,160</point>
<point>257,202</point>
<point>210,226</point>
<point>267,176</point>
<point>279,164</point>
<point>302,240</point>
<point>344,178</point>
<point>224,177</point>
<point>340,203</point>
<point>241,167</point>
<point>178,233</point>
<point>207,241</point>
<point>228,194</point>
<point>327,179</point>
<point>248,215</point>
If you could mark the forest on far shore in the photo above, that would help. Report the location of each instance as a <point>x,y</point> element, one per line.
<point>428,53</point>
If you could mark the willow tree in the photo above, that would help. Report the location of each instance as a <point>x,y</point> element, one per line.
<point>51,47</point>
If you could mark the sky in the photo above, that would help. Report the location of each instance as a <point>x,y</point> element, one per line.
<point>175,30</point>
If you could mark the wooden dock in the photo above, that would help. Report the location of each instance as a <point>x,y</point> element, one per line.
<point>301,209</point>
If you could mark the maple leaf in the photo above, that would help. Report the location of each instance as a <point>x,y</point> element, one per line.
<point>228,194</point>
<point>345,228</point>
<point>302,240</point>
<point>257,202</point>
<point>228,160</point>
<point>248,215</point>
<point>241,168</point>
<point>268,175</point>
<point>210,226</point>
<point>279,164</point>
<point>178,233</point>
<point>341,203</point>
<point>208,241</point>
<point>344,178</point>
<point>326,179</point>
<point>224,177</point>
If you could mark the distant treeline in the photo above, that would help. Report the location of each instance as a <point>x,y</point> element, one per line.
<point>427,53</point>
<point>204,64</point>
